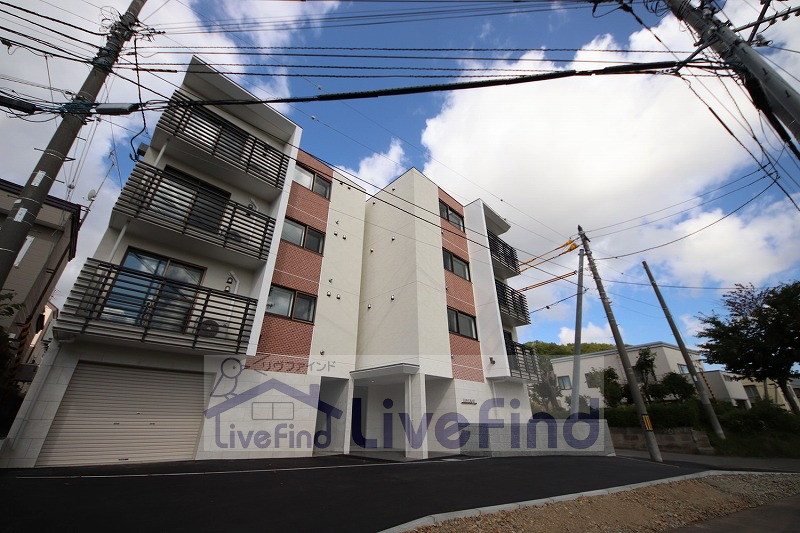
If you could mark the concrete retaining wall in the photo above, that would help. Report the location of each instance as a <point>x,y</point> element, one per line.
<point>682,440</point>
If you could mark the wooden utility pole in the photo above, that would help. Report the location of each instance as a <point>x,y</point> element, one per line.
<point>23,213</point>
<point>641,409</point>
<point>698,384</point>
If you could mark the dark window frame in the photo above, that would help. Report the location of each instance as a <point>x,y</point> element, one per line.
<point>450,259</point>
<point>314,180</point>
<point>292,306</point>
<point>458,314</point>
<point>304,243</point>
<point>448,213</point>
<point>157,292</point>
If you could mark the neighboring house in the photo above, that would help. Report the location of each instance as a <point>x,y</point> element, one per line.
<point>50,245</point>
<point>725,387</point>
<point>230,244</point>
<point>34,350</point>
<point>668,358</point>
<point>744,392</point>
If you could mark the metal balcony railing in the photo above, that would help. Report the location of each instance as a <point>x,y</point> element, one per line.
<point>512,303</point>
<point>522,361</point>
<point>187,206</point>
<point>503,253</point>
<point>116,302</point>
<point>225,141</point>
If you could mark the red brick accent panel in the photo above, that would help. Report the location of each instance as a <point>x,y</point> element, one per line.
<point>308,207</point>
<point>454,240</point>
<point>449,200</point>
<point>284,346</point>
<point>467,362</point>
<point>297,268</point>
<point>308,160</point>
<point>459,293</point>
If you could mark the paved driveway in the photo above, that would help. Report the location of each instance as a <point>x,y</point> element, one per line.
<point>312,494</point>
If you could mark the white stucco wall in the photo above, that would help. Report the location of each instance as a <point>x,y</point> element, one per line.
<point>403,315</point>
<point>336,319</point>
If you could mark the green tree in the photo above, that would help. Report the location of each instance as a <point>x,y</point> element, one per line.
<point>656,391</point>
<point>552,348</point>
<point>644,369</point>
<point>678,386</point>
<point>546,392</point>
<point>760,336</point>
<point>607,381</point>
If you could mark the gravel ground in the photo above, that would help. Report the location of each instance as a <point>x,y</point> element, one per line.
<point>657,508</point>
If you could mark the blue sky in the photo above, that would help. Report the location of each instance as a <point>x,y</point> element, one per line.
<point>547,156</point>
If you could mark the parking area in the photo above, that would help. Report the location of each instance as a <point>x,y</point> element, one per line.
<point>336,493</point>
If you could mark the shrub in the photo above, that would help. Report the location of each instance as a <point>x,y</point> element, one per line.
<point>678,386</point>
<point>663,415</point>
<point>623,416</point>
<point>764,416</point>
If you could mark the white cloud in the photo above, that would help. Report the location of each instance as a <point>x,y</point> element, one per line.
<point>381,168</point>
<point>590,333</point>
<point>691,325</point>
<point>598,150</point>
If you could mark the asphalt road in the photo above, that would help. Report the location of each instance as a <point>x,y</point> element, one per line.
<point>311,494</point>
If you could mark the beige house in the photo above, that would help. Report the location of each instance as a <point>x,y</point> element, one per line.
<point>50,245</point>
<point>744,392</point>
<point>668,358</point>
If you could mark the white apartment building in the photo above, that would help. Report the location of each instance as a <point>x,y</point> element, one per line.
<point>668,358</point>
<point>247,300</point>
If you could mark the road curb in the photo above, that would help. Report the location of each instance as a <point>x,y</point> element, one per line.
<point>441,517</point>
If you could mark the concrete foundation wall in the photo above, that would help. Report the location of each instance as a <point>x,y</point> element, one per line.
<point>681,440</point>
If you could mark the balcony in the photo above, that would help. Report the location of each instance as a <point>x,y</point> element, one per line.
<point>504,257</point>
<point>114,302</point>
<point>213,135</point>
<point>172,200</point>
<point>513,306</point>
<point>522,361</point>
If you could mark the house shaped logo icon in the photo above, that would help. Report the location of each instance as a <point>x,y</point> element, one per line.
<point>282,434</point>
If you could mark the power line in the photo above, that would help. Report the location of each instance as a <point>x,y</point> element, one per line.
<point>674,286</point>
<point>170,49</point>
<point>640,68</point>
<point>618,256</point>
<point>51,19</point>
<point>683,210</point>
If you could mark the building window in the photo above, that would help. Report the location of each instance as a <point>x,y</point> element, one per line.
<point>291,304</point>
<point>752,393</point>
<point>683,369</point>
<point>447,213</point>
<point>454,264</point>
<point>461,323</point>
<point>312,181</point>
<point>302,235</point>
<point>153,291</point>
<point>564,383</point>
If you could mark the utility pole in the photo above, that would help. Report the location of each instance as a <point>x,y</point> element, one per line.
<point>641,410</point>
<point>574,405</point>
<point>701,389</point>
<point>781,98</point>
<point>23,213</point>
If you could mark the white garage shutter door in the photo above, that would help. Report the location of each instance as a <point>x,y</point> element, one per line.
<point>113,414</point>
